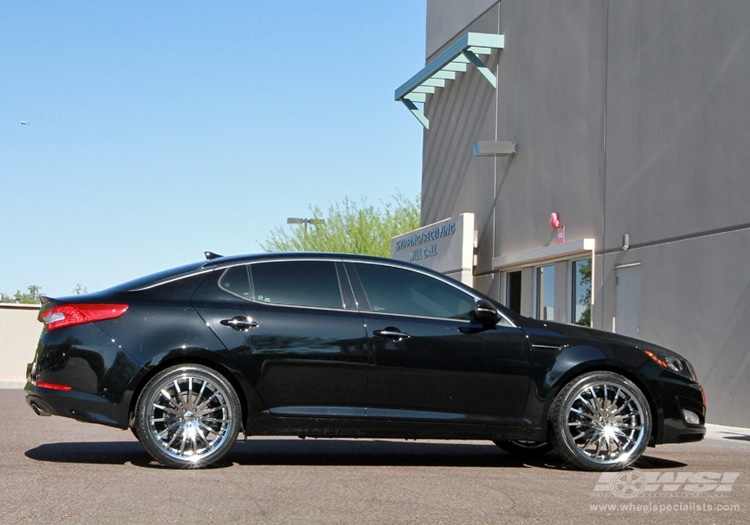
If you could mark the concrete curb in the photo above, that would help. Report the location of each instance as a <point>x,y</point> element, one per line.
<point>724,432</point>
<point>10,383</point>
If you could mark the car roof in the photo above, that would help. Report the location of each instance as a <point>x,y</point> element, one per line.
<point>230,260</point>
<point>216,262</point>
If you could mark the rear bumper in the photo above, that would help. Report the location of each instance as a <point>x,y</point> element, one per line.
<point>80,377</point>
<point>77,405</point>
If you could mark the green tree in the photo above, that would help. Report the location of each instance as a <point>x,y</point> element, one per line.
<point>349,227</point>
<point>584,272</point>
<point>33,296</point>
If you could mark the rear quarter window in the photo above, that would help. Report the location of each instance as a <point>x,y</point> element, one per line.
<point>236,281</point>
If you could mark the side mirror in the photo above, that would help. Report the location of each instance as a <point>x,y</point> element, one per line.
<point>486,314</point>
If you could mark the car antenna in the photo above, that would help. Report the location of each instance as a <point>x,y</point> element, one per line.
<point>211,255</point>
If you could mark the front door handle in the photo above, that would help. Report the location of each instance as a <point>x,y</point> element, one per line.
<point>394,334</point>
<point>239,323</point>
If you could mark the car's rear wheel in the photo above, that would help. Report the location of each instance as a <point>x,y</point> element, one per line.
<point>601,421</point>
<point>521,447</point>
<point>188,416</point>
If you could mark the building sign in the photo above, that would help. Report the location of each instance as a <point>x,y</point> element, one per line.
<point>446,246</point>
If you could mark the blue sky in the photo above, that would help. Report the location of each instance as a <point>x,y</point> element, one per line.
<point>157,130</point>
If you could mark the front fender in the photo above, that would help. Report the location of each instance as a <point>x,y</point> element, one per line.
<point>554,366</point>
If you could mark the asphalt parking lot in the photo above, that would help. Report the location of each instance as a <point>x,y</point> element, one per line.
<point>56,470</point>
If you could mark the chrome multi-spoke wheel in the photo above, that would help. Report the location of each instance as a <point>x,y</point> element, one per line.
<point>601,421</point>
<point>188,416</point>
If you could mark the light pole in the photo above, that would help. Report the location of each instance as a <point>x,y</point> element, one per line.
<point>305,222</point>
<point>295,220</point>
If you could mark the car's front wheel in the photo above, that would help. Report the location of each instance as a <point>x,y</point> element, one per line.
<point>188,416</point>
<point>600,421</point>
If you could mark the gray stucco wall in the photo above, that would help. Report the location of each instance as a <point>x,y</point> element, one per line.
<point>631,117</point>
<point>678,151</point>
<point>550,101</point>
<point>447,17</point>
<point>678,118</point>
<point>695,299</point>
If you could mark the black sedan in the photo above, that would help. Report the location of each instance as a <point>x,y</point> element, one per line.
<point>331,345</point>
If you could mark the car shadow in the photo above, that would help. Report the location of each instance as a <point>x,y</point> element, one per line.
<point>94,453</point>
<point>735,436</point>
<point>314,452</point>
<point>343,452</point>
<point>650,463</point>
<point>325,452</point>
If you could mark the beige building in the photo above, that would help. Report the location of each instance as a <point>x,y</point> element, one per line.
<point>19,334</point>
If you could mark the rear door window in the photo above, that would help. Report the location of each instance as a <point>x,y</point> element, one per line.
<point>296,283</point>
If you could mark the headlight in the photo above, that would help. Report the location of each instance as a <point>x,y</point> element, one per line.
<point>673,363</point>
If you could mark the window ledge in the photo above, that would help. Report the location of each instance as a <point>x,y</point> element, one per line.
<point>547,254</point>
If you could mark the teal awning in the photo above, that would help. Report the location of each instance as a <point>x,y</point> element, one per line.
<point>456,59</point>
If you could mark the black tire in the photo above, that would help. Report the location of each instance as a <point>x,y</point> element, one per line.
<point>601,421</point>
<point>524,448</point>
<point>188,416</point>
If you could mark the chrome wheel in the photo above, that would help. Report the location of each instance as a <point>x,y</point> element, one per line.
<point>188,416</point>
<point>601,421</point>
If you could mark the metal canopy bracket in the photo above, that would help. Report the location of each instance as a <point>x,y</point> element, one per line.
<point>453,60</point>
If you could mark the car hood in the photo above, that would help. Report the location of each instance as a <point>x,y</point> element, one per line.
<point>544,332</point>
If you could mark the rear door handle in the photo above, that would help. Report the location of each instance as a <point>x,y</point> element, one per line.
<point>394,334</point>
<point>239,323</point>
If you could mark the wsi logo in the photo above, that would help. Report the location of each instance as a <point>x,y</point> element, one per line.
<point>632,483</point>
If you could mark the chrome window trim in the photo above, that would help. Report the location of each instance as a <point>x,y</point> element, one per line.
<point>212,266</point>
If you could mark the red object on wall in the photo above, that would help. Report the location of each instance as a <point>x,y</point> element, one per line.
<point>555,222</point>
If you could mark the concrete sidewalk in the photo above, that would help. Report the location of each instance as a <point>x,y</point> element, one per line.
<point>725,432</point>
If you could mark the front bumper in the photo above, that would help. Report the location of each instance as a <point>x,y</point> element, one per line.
<point>682,403</point>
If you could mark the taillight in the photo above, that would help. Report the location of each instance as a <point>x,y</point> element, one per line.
<point>52,386</point>
<point>72,314</point>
